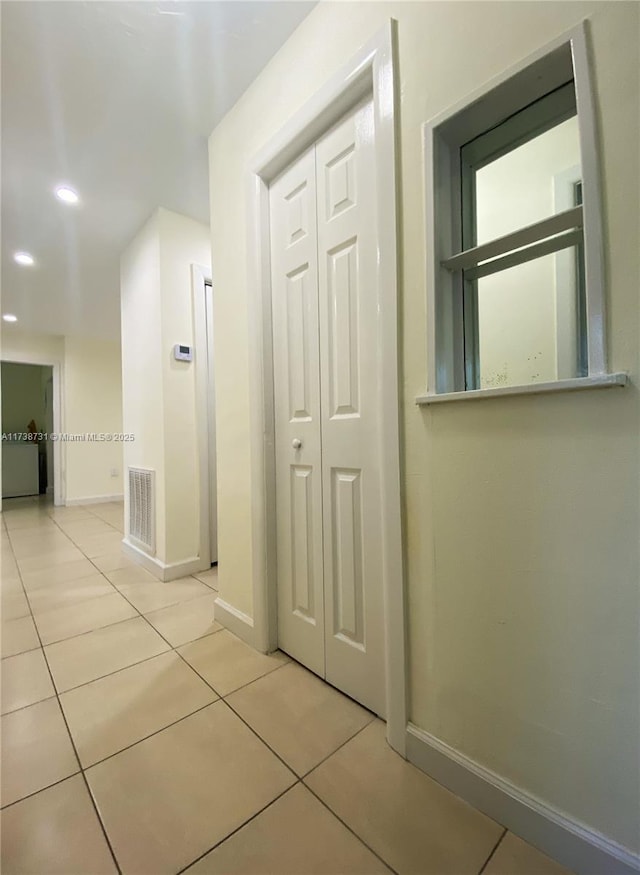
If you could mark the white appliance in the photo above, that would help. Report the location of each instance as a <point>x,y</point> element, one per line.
<point>19,469</point>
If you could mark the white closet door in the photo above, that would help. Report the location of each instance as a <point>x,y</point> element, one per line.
<point>348,296</point>
<point>294,283</point>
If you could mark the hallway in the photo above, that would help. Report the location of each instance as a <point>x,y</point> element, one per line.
<point>134,727</point>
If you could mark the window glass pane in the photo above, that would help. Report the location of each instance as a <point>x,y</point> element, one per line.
<point>528,322</point>
<point>529,183</point>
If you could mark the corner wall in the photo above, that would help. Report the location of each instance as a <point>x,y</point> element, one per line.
<point>90,401</point>
<point>158,391</point>
<point>521,514</point>
<point>93,403</point>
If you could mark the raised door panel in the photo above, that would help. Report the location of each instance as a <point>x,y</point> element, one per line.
<point>343,328</point>
<point>303,537</point>
<point>347,556</point>
<point>294,283</point>
<point>350,405</point>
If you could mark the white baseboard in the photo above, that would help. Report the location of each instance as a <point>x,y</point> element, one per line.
<point>162,570</point>
<point>94,499</point>
<point>235,621</point>
<point>581,849</point>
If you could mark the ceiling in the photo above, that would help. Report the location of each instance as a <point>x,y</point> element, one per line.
<point>117,100</point>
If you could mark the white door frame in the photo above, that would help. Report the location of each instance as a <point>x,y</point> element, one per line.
<point>370,72</point>
<point>200,277</point>
<point>59,473</point>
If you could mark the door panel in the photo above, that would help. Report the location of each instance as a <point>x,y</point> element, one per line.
<point>303,602</point>
<point>300,295</point>
<point>294,282</point>
<point>348,595</point>
<point>343,363</point>
<point>350,406</point>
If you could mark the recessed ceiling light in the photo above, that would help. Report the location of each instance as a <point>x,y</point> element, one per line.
<point>67,195</point>
<point>9,317</point>
<point>24,258</point>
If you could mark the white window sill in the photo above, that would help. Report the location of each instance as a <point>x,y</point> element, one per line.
<point>600,381</point>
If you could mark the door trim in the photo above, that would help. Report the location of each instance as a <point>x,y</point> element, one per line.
<point>200,277</point>
<point>59,468</point>
<point>370,72</point>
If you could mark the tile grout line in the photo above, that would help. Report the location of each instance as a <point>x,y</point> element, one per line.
<point>99,628</point>
<point>299,780</point>
<point>339,747</point>
<point>237,829</point>
<point>71,740</point>
<point>102,676</point>
<point>267,745</point>
<point>218,698</point>
<point>65,535</point>
<point>248,683</point>
<point>204,680</point>
<point>76,543</point>
<point>346,825</point>
<point>24,707</point>
<point>124,667</point>
<point>93,598</point>
<point>41,790</point>
<point>81,634</point>
<point>151,735</point>
<point>494,849</point>
<point>257,735</point>
<point>22,652</point>
<point>221,698</point>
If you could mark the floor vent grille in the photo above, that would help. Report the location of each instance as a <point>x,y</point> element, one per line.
<point>142,505</point>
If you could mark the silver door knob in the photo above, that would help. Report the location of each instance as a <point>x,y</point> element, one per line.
<point>296,443</point>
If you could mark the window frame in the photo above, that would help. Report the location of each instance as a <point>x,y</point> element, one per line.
<point>525,125</point>
<point>563,60</point>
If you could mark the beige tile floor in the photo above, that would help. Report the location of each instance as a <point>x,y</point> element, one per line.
<point>140,737</point>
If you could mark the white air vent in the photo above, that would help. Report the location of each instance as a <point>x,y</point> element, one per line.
<point>142,509</point>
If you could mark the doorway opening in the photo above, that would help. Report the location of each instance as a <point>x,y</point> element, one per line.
<point>206,413</point>
<point>368,76</point>
<point>28,467</point>
<point>327,416</point>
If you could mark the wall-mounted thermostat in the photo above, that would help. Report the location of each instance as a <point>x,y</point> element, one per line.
<point>183,353</point>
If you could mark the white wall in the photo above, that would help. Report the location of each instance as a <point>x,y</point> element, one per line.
<point>90,401</point>
<point>183,243</point>
<point>159,392</point>
<point>93,403</point>
<point>142,396</point>
<point>522,513</point>
<point>21,346</point>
